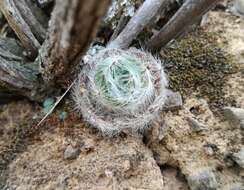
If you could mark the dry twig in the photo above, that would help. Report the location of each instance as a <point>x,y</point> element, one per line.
<point>185,16</point>
<point>143,16</point>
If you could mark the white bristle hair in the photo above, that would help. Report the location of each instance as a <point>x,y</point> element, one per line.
<point>130,110</point>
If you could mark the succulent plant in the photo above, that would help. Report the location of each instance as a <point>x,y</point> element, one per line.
<point>121,90</point>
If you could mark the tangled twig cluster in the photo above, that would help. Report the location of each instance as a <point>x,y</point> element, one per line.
<point>121,90</point>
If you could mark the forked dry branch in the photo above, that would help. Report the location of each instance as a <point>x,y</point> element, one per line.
<point>72,27</point>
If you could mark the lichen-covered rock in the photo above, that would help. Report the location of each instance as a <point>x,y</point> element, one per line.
<point>197,155</point>
<point>181,147</point>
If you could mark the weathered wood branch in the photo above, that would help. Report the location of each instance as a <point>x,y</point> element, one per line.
<point>189,13</point>
<point>27,21</point>
<point>72,28</point>
<point>44,3</point>
<point>15,72</point>
<point>143,16</point>
<point>120,26</point>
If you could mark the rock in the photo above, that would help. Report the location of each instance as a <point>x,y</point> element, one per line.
<point>71,153</point>
<point>239,6</point>
<point>157,130</point>
<point>234,115</point>
<point>237,188</point>
<point>62,182</point>
<point>229,162</point>
<point>88,145</point>
<point>203,180</point>
<point>242,125</point>
<point>204,20</point>
<point>238,21</point>
<point>239,158</point>
<point>208,150</point>
<point>173,180</point>
<point>160,154</point>
<point>173,101</point>
<point>196,125</point>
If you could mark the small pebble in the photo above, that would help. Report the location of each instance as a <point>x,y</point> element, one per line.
<point>209,151</point>
<point>196,125</point>
<point>242,125</point>
<point>235,116</point>
<point>71,153</point>
<point>238,21</point>
<point>239,158</point>
<point>203,180</point>
<point>173,101</point>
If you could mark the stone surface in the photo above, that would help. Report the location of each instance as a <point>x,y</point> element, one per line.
<point>196,125</point>
<point>172,179</point>
<point>209,150</point>
<point>197,155</point>
<point>242,125</point>
<point>173,101</point>
<point>71,153</point>
<point>237,188</point>
<point>239,6</point>
<point>203,180</point>
<point>239,158</point>
<point>230,35</point>
<point>234,115</point>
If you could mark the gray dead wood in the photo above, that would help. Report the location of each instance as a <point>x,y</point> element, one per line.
<point>72,28</point>
<point>16,74</point>
<point>121,24</point>
<point>189,13</point>
<point>143,16</point>
<point>27,21</point>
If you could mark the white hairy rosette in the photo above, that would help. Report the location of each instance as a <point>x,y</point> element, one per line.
<point>121,90</point>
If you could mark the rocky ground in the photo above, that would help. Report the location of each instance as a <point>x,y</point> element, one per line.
<point>198,146</point>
